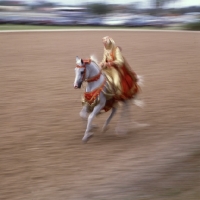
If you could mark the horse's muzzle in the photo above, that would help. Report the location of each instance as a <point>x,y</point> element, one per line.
<point>78,86</point>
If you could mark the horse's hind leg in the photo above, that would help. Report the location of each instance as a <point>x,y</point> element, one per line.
<point>124,118</point>
<point>113,111</point>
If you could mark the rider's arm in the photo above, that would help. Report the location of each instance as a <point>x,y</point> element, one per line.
<point>103,60</point>
<point>119,60</point>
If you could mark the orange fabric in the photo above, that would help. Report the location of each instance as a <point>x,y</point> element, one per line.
<point>94,78</point>
<point>90,97</point>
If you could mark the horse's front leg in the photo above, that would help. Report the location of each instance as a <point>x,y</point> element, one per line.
<point>95,111</point>
<point>84,114</point>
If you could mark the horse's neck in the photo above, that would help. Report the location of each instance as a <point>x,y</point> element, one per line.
<point>93,70</point>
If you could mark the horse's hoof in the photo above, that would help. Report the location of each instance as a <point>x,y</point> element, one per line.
<point>139,103</point>
<point>86,138</point>
<point>84,119</point>
<point>120,131</point>
<point>104,129</point>
<point>138,125</point>
<point>83,116</point>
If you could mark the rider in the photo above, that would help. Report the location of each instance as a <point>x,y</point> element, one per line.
<point>118,71</point>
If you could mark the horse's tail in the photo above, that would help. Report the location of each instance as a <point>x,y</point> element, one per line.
<point>140,80</point>
<point>138,102</point>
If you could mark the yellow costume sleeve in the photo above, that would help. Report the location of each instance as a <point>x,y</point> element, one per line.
<point>104,57</point>
<point>119,60</point>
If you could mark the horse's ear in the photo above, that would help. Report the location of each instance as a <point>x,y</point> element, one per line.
<point>79,61</point>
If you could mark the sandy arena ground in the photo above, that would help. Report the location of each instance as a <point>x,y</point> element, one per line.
<point>41,153</point>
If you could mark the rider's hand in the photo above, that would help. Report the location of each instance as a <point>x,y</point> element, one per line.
<point>103,65</point>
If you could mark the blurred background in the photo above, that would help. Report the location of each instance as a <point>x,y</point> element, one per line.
<point>126,13</point>
<point>41,153</point>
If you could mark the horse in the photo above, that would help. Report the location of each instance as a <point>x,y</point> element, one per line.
<point>98,94</point>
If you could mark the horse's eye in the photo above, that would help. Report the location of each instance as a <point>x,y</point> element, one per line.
<point>82,73</point>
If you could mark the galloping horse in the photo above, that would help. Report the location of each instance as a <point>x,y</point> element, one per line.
<point>99,94</point>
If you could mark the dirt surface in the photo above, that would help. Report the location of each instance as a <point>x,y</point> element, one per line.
<point>41,153</point>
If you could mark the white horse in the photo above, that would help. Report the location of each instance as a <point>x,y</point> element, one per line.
<point>96,81</point>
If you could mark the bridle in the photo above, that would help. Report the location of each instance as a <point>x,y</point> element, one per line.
<point>84,72</point>
<point>94,78</point>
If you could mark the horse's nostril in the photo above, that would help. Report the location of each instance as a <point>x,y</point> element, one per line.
<point>75,86</point>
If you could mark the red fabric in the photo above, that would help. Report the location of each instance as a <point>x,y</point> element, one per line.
<point>128,84</point>
<point>94,78</point>
<point>128,81</point>
<point>109,104</point>
<point>87,61</point>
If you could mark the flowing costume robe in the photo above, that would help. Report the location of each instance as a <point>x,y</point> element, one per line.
<point>119,73</point>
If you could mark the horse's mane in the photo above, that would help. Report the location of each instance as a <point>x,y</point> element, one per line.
<point>94,59</point>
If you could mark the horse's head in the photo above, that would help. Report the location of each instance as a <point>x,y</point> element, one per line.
<point>92,73</point>
<point>79,73</point>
